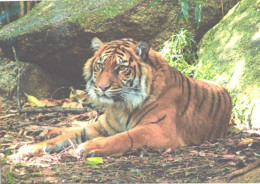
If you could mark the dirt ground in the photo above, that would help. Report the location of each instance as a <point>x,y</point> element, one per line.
<point>218,161</point>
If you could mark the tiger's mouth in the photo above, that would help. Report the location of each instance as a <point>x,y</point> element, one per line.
<point>104,98</point>
<point>108,97</point>
<point>131,97</point>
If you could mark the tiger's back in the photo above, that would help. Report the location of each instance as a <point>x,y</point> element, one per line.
<point>205,112</point>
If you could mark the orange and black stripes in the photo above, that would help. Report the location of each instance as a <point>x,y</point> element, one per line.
<point>144,114</point>
<point>84,135</point>
<point>218,105</point>
<point>204,96</point>
<point>189,95</point>
<point>112,126</point>
<point>212,102</point>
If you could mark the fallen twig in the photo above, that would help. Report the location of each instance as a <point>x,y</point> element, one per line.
<point>243,170</point>
<point>54,109</point>
<point>18,126</point>
<point>7,116</point>
<point>76,95</point>
<point>18,78</point>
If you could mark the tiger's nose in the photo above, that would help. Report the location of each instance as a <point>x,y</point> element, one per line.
<point>104,87</point>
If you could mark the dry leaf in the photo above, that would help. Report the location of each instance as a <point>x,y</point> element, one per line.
<point>81,95</point>
<point>245,141</point>
<point>72,105</point>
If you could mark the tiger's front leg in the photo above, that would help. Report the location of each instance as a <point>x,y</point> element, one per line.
<point>150,135</point>
<point>57,144</point>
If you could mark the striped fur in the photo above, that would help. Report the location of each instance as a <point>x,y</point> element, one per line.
<point>147,103</point>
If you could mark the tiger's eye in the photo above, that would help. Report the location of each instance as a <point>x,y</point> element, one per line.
<point>122,68</point>
<point>100,66</point>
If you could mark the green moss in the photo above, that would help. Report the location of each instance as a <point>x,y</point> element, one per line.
<point>232,48</point>
<point>231,44</point>
<point>51,13</point>
<point>104,12</point>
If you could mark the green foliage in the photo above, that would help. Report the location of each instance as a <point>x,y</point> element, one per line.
<point>181,48</point>
<point>9,174</point>
<point>151,5</point>
<point>192,181</point>
<point>181,53</point>
<point>6,154</point>
<point>138,172</point>
<point>185,6</point>
<point>10,177</point>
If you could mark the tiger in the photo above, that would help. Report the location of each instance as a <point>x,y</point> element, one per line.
<point>147,103</point>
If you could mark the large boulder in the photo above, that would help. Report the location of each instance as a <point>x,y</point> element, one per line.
<point>232,46</point>
<point>33,80</point>
<point>56,34</point>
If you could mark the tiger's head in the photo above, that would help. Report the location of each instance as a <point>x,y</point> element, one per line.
<point>117,73</point>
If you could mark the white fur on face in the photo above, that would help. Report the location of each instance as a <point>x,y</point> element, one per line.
<point>102,98</point>
<point>131,97</point>
<point>137,94</point>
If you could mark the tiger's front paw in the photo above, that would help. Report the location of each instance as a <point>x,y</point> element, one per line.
<point>50,133</point>
<point>30,150</point>
<point>91,148</point>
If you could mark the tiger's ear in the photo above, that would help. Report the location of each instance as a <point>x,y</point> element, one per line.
<point>96,43</point>
<point>142,49</point>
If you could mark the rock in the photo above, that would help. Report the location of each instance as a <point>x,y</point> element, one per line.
<point>232,46</point>
<point>34,80</point>
<point>56,34</point>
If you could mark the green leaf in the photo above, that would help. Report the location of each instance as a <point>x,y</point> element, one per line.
<point>151,5</point>
<point>34,100</point>
<point>179,17</point>
<point>169,170</point>
<point>198,12</point>
<point>185,8</point>
<point>6,154</point>
<point>187,173</point>
<point>10,177</point>
<point>257,154</point>
<point>137,171</point>
<point>94,161</point>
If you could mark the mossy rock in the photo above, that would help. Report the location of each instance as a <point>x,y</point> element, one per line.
<point>33,80</point>
<point>56,34</point>
<point>232,46</point>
